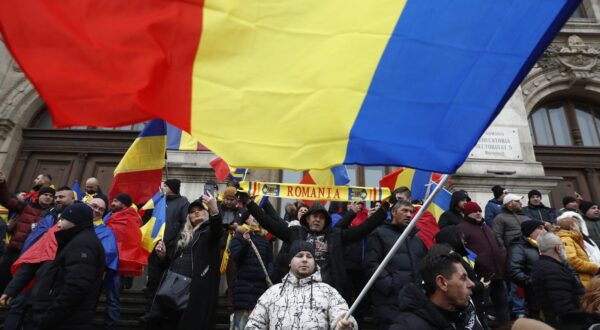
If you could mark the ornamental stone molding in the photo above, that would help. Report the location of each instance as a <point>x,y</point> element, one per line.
<point>573,65</point>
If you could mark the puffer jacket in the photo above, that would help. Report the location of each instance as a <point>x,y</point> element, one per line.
<point>453,216</point>
<point>577,257</point>
<point>250,281</point>
<point>418,312</point>
<point>491,256</point>
<point>402,269</point>
<point>523,253</point>
<point>296,304</point>
<point>557,288</point>
<point>492,209</point>
<point>507,226</point>
<point>66,295</point>
<point>540,212</point>
<point>27,215</point>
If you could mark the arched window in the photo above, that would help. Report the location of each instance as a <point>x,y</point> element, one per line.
<point>566,123</point>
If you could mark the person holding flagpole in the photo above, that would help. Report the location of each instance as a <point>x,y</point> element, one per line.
<point>316,229</point>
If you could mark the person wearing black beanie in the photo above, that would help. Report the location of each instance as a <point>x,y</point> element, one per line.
<point>591,216</point>
<point>494,205</point>
<point>80,261</point>
<point>536,210</point>
<point>174,185</point>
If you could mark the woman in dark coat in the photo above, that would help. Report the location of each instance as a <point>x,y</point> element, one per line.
<point>194,255</point>
<point>250,280</point>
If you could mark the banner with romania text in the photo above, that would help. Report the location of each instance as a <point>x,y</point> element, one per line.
<point>313,193</point>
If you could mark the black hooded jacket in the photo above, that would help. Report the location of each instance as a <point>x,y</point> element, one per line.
<point>400,271</point>
<point>418,312</point>
<point>335,238</point>
<point>66,294</point>
<point>177,211</point>
<point>453,216</point>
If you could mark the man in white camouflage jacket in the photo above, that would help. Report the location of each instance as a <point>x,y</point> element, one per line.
<point>302,300</point>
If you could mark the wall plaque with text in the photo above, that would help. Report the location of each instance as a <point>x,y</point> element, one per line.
<point>498,143</point>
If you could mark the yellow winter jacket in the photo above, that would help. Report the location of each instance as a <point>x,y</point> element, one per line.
<point>577,257</point>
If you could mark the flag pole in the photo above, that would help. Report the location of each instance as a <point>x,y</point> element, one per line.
<point>397,245</point>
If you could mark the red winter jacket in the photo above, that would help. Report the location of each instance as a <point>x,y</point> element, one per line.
<point>27,214</point>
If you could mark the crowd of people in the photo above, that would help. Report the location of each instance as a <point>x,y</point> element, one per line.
<point>529,267</point>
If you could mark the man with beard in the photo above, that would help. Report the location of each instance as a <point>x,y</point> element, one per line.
<point>556,285</point>
<point>40,181</point>
<point>454,215</point>
<point>63,198</point>
<point>402,268</point>
<point>446,302</point>
<point>92,190</point>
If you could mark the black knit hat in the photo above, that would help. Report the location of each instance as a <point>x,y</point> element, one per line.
<point>527,227</point>
<point>46,190</point>
<point>78,214</point>
<point>533,192</point>
<point>125,199</point>
<point>585,206</point>
<point>299,246</point>
<point>174,185</point>
<point>568,199</point>
<point>498,191</point>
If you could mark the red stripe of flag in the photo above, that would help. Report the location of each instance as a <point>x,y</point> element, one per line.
<point>141,185</point>
<point>129,60</point>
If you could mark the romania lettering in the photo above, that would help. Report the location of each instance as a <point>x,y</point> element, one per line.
<point>314,192</point>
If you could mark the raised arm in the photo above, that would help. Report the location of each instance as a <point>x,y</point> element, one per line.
<point>279,228</point>
<point>346,220</point>
<point>357,233</point>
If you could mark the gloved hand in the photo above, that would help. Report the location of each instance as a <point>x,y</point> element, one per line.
<point>243,197</point>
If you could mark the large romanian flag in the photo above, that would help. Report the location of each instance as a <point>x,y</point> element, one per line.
<point>288,84</point>
<point>139,172</point>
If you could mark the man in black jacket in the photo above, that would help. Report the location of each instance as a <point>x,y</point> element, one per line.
<point>556,285</point>
<point>523,253</point>
<point>66,294</point>
<point>177,207</point>
<point>454,215</point>
<point>401,270</point>
<point>446,302</point>
<point>316,229</point>
<point>536,210</point>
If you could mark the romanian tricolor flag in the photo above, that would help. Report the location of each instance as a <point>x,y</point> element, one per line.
<point>311,84</point>
<point>154,229</point>
<point>180,140</point>
<point>139,172</point>
<point>441,201</point>
<point>416,180</point>
<point>224,171</point>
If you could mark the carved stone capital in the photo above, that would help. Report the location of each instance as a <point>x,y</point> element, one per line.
<point>6,126</point>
